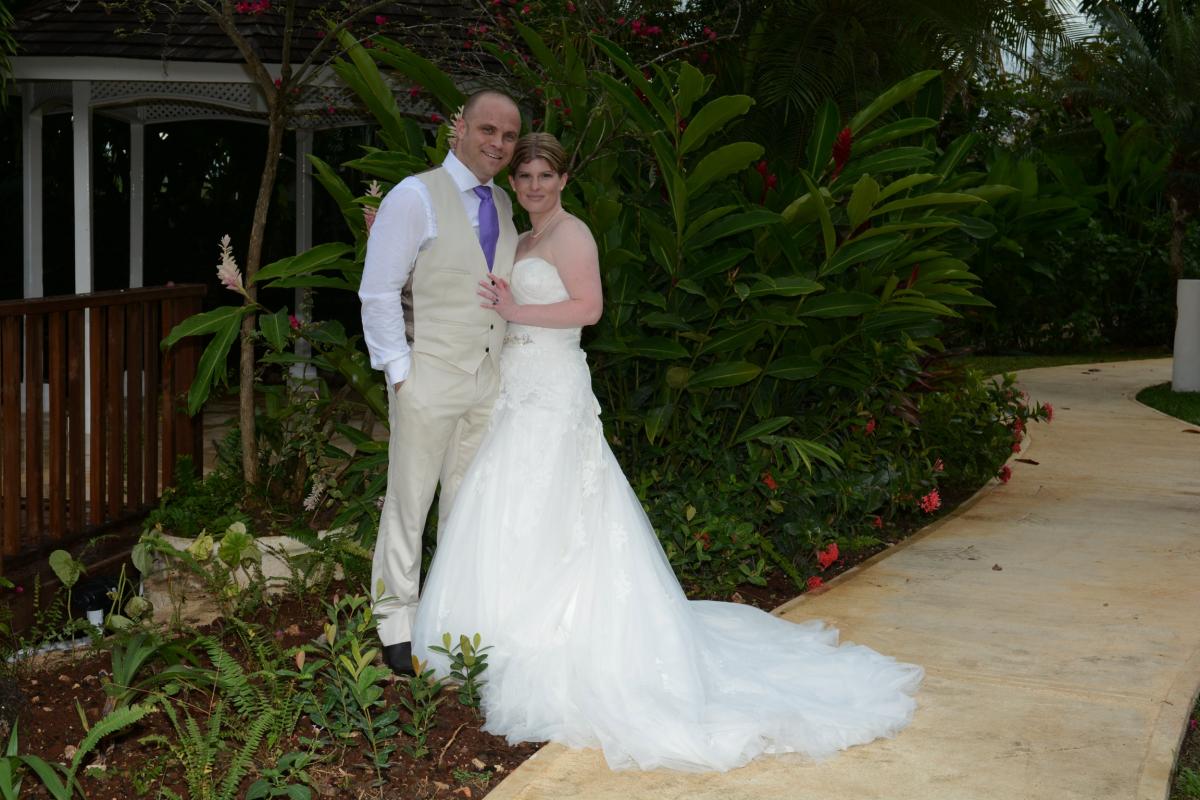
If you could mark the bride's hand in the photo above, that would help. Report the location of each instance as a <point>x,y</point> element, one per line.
<point>497,296</point>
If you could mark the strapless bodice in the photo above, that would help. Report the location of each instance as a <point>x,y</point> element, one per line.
<point>535,281</point>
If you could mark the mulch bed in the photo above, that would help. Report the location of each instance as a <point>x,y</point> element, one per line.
<point>464,761</point>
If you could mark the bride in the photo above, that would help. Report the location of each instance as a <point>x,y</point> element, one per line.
<point>548,554</point>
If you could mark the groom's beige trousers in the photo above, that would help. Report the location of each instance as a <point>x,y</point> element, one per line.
<point>438,418</point>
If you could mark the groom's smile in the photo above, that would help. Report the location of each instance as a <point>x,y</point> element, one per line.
<point>486,135</point>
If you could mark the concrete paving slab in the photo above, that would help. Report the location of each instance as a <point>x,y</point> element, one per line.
<point>1069,672</point>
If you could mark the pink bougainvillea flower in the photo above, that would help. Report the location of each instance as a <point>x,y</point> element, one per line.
<point>570,8</point>
<point>842,146</point>
<point>815,583</point>
<point>769,481</point>
<point>710,33</point>
<point>931,502</point>
<point>435,118</point>
<point>939,466</point>
<point>827,556</point>
<point>871,426</point>
<point>1049,412</point>
<point>380,19</point>
<point>1005,474</point>
<point>877,522</point>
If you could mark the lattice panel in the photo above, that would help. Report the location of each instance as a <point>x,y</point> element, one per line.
<point>228,95</point>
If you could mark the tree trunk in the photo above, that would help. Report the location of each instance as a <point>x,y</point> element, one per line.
<point>1178,231</point>
<point>258,227</point>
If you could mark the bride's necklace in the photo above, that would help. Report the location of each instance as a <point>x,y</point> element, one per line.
<point>535,234</point>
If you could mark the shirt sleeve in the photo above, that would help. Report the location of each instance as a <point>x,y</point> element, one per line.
<point>402,227</point>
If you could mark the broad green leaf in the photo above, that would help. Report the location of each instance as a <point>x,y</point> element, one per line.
<point>786,286</point>
<point>390,165</point>
<point>701,265</point>
<point>930,100</point>
<point>928,200</point>
<point>715,115</point>
<point>707,218</point>
<point>732,373</point>
<point>66,568</point>
<point>691,88</point>
<point>212,363</point>
<point>274,328</point>
<point>803,209</point>
<point>767,426</point>
<point>729,226</point>
<point>333,183</point>
<point>628,100</point>
<point>838,304</point>
<point>861,250</point>
<point>820,143</point>
<point>894,159</point>
<point>992,192</point>
<point>892,131</point>
<point>731,340</point>
<point>206,322</point>
<point>656,419</point>
<point>828,234</point>
<point>538,47</point>
<point>956,151</point>
<point>364,77</point>
<point>634,74</point>
<point>315,282</point>
<point>975,227</point>
<point>721,162</point>
<point>898,93</point>
<point>422,72</point>
<point>323,256</point>
<point>905,183</point>
<point>657,347</point>
<point>793,368</point>
<point>862,200</point>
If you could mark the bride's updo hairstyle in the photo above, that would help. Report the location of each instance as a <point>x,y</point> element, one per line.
<point>532,146</point>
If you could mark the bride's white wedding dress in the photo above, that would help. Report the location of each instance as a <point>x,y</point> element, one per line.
<point>548,555</point>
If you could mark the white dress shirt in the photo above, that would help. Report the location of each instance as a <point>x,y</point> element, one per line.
<point>404,226</point>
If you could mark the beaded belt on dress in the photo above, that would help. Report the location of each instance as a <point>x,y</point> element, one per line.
<point>518,338</point>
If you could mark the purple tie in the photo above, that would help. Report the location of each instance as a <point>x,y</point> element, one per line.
<point>489,224</point>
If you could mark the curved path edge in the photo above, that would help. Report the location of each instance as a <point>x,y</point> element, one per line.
<point>1056,617</point>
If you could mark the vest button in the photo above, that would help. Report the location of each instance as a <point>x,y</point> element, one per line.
<point>487,349</point>
<point>491,327</point>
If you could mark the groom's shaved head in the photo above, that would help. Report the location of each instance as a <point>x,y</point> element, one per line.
<point>483,94</point>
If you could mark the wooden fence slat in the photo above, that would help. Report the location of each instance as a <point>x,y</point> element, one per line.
<point>150,439</point>
<point>77,389</point>
<point>35,529</point>
<point>134,335</point>
<point>10,409</point>
<point>96,392</point>
<point>114,406</point>
<point>170,316</point>
<point>57,479</point>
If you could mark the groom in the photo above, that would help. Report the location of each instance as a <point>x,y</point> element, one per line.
<point>446,229</point>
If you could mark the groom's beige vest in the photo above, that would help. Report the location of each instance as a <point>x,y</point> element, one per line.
<point>448,322</point>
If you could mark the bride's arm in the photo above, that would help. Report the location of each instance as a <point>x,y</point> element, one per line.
<point>573,253</point>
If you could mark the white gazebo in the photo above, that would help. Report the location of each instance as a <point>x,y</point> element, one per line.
<point>76,56</point>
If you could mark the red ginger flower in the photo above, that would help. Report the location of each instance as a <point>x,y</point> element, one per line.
<point>1005,474</point>
<point>815,583</point>
<point>931,502</point>
<point>294,322</point>
<point>841,150</point>
<point>828,555</point>
<point>769,481</point>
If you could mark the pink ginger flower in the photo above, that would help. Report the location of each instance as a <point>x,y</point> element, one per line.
<point>939,466</point>
<point>931,502</point>
<point>369,212</point>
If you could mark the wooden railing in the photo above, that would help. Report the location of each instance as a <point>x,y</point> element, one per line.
<point>92,416</point>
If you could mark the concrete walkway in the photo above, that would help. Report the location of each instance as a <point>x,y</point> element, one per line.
<point>1058,617</point>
